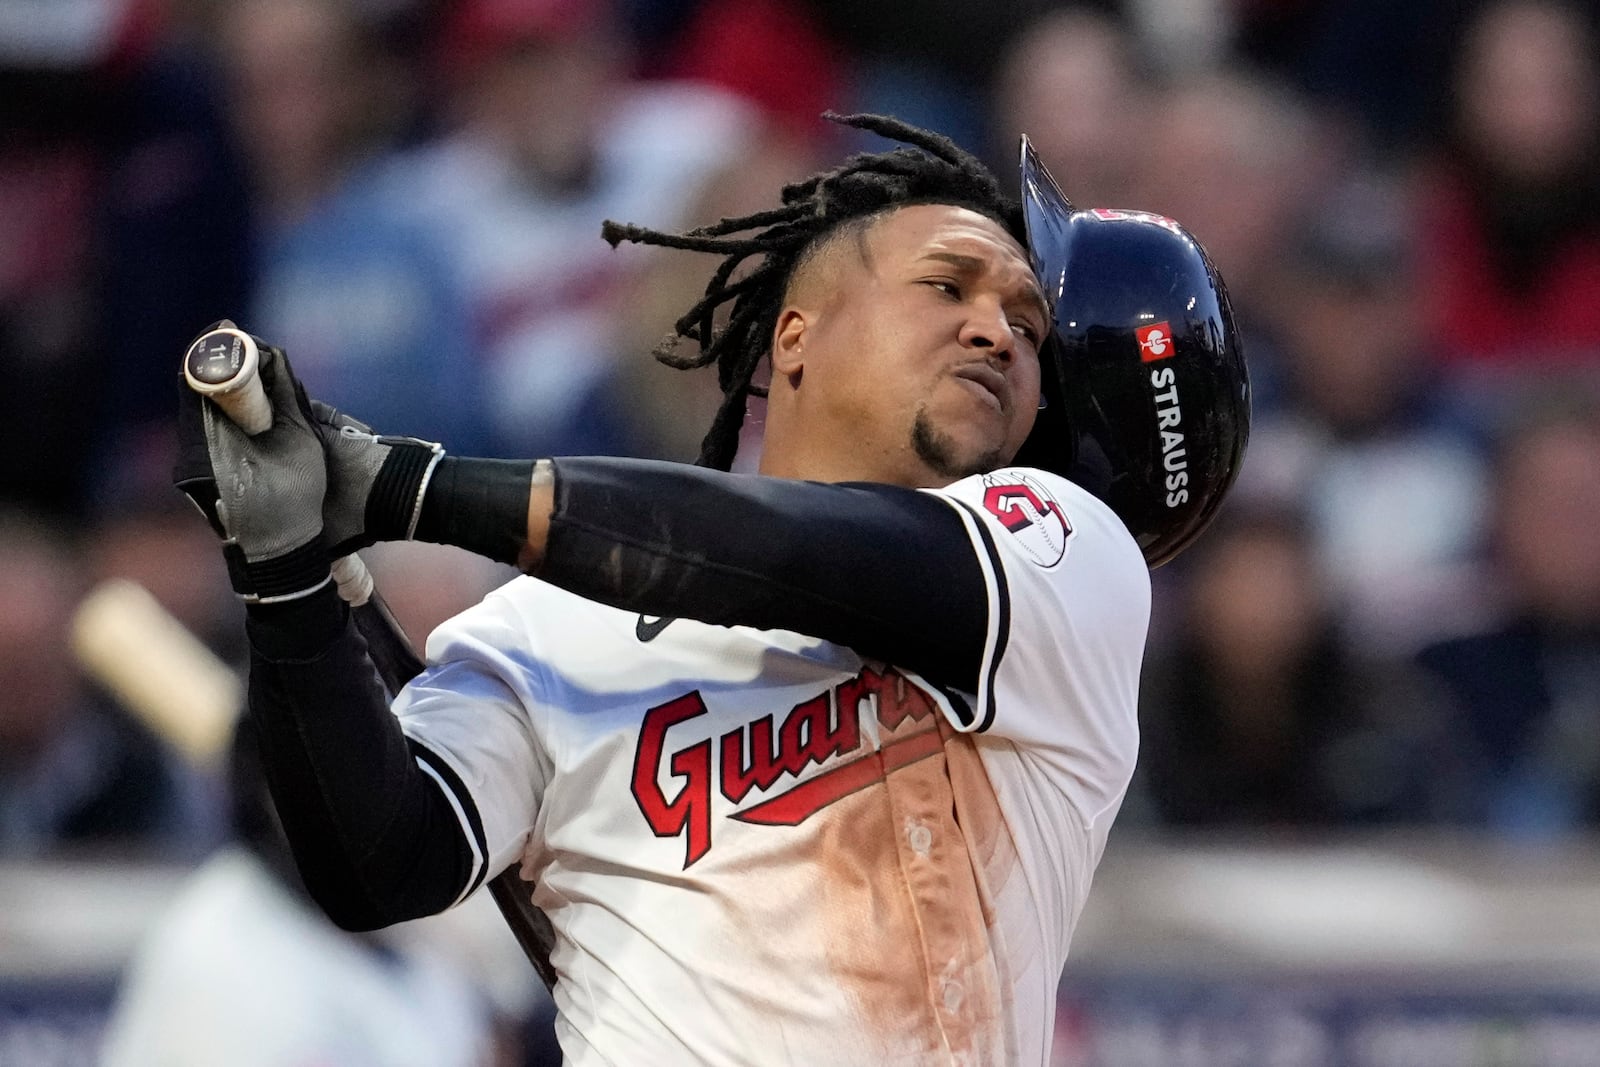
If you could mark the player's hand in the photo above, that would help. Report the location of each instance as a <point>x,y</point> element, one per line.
<point>375,483</point>
<point>263,494</point>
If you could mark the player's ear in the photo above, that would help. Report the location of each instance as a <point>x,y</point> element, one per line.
<point>788,343</point>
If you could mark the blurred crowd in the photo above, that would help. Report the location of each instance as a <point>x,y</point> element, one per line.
<point>1394,622</point>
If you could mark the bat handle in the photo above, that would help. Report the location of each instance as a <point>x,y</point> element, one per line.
<point>225,365</point>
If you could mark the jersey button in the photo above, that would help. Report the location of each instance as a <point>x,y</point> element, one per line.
<point>921,839</point>
<point>953,995</point>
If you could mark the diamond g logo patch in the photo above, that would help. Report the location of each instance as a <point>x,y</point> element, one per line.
<point>1030,513</point>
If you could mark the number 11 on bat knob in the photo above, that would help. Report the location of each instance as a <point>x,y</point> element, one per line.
<point>224,364</point>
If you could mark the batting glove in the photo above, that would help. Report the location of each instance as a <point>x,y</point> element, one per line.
<point>375,483</point>
<point>263,495</point>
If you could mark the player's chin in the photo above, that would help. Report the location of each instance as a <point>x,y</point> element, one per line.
<point>958,448</point>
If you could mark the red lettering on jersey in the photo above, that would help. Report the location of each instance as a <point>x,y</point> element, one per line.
<point>738,778</point>
<point>810,736</point>
<point>814,794</point>
<point>820,729</point>
<point>807,736</point>
<point>898,700</point>
<point>691,808</point>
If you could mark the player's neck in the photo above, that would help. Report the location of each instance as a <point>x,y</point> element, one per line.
<point>849,462</point>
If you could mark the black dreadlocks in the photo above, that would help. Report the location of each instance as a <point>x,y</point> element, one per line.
<point>933,171</point>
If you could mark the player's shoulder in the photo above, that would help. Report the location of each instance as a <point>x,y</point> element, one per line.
<point>508,619</point>
<point>1049,518</point>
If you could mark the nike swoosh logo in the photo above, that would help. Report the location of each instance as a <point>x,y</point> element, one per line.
<point>648,629</point>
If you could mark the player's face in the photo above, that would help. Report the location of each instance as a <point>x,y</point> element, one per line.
<point>924,349</point>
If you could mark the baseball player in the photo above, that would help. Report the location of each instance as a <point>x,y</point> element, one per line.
<point>810,766</point>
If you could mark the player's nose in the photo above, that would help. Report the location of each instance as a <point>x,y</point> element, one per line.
<point>988,328</point>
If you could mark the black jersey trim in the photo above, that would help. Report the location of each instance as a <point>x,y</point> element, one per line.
<point>467,810</point>
<point>958,703</point>
<point>1002,619</point>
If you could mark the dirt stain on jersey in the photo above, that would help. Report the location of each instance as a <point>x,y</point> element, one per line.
<point>906,911</point>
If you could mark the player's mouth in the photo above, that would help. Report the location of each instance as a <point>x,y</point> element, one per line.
<point>984,381</point>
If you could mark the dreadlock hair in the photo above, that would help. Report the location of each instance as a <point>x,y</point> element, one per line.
<point>866,186</point>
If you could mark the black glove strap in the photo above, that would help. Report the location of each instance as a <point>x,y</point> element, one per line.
<point>392,504</point>
<point>480,505</point>
<point>294,574</point>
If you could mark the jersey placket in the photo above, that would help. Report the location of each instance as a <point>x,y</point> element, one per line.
<point>962,983</point>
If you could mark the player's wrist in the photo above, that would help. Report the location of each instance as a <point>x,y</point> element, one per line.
<point>480,505</point>
<point>299,629</point>
<point>289,576</point>
<point>394,503</point>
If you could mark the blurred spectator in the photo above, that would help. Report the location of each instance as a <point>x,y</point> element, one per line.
<point>1070,83</point>
<point>1365,442</point>
<point>549,137</point>
<point>83,163</point>
<point>1237,160</point>
<point>1513,217</point>
<point>771,53</point>
<point>303,97</point>
<point>361,295</point>
<point>47,187</point>
<point>1259,715</point>
<point>1526,689</point>
<point>930,62</point>
<point>1379,63</point>
<point>1185,39</point>
<point>673,407</point>
<point>172,230</point>
<point>243,969</point>
<point>75,772</point>
<point>121,224</point>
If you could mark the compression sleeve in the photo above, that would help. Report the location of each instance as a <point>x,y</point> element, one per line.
<point>887,571</point>
<point>375,837</point>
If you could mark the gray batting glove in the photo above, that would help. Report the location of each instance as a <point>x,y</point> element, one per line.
<point>375,483</point>
<point>263,495</point>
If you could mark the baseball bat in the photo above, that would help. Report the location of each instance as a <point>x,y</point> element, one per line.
<point>224,364</point>
<point>160,672</point>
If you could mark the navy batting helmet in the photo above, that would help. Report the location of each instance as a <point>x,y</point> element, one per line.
<point>1147,399</point>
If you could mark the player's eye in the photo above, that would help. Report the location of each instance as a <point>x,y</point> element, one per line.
<point>945,286</point>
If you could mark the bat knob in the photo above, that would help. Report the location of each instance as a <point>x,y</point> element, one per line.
<point>219,359</point>
<point>224,364</point>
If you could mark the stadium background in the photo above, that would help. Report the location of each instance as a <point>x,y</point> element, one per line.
<point>1363,828</point>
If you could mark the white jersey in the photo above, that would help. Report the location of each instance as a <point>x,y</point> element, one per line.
<point>757,847</point>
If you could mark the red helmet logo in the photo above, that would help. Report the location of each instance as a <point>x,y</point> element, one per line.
<point>1155,342</point>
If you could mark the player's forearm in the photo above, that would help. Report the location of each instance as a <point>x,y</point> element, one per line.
<point>886,571</point>
<point>374,838</point>
<point>485,506</point>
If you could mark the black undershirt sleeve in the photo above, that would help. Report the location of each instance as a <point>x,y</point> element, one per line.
<point>374,837</point>
<point>887,571</point>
